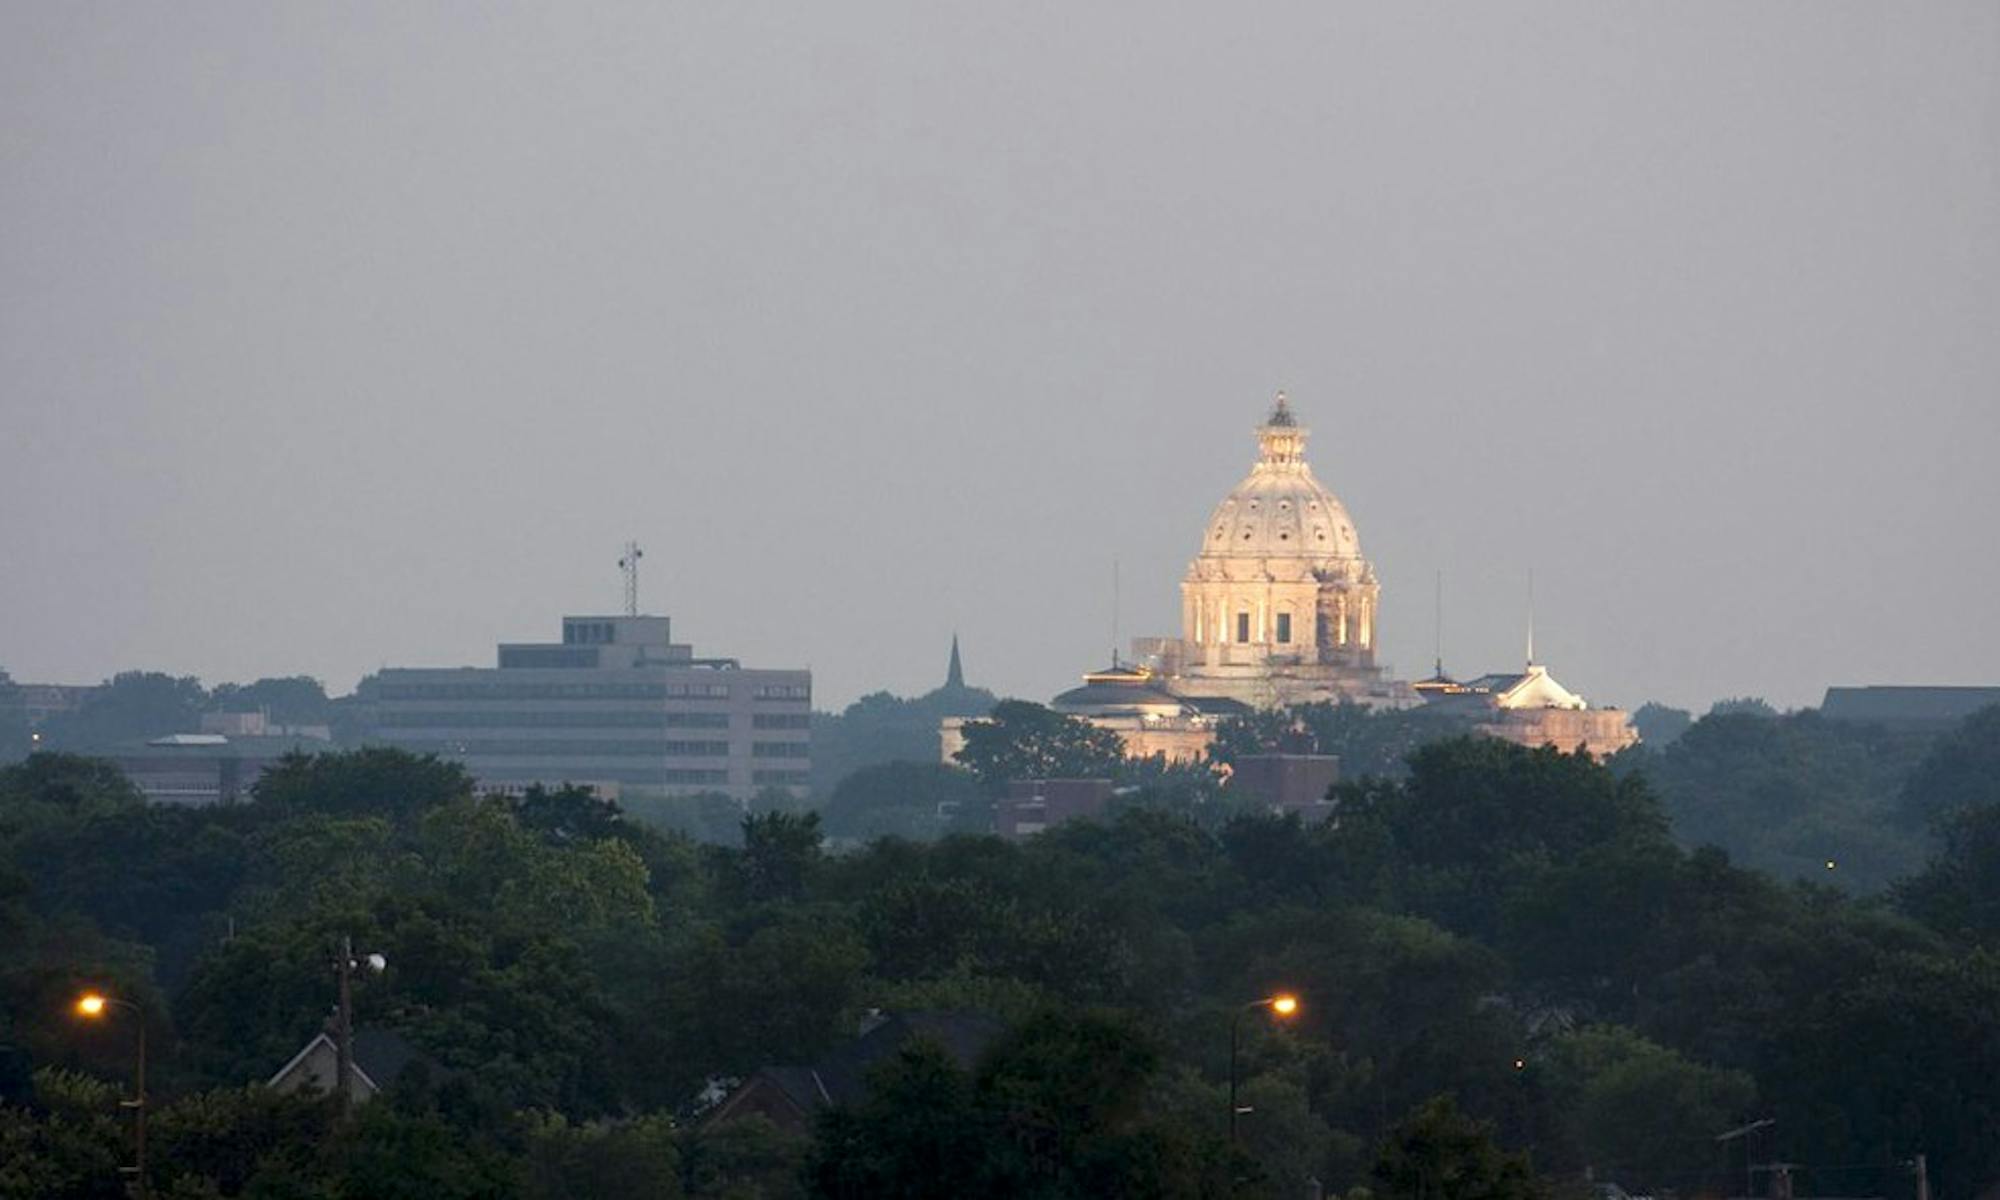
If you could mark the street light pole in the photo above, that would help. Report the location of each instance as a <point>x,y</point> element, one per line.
<point>139,1110</point>
<point>1284,1004</point>
<point>93,1004</point>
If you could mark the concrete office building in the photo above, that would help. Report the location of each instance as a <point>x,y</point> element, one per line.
<point>616,705</point>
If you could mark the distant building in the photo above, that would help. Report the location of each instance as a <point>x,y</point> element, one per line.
<point>616,705</point>
<point>214,767</point>
<point>1911,708</point>
<point>1135,704</point>
<point>1289,783</point>
<point>1033,805</point>
<point>1528,708</point>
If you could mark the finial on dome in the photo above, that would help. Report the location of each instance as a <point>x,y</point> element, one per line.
<point>1281,412</point>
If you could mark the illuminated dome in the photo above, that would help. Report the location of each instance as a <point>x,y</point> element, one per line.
<point>1280,510</point>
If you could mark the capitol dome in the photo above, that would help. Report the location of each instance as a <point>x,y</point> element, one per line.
<point>1280,510</point>
<point>1279,605</point>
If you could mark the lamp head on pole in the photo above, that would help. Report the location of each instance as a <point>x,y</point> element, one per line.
<point>91,1004</point>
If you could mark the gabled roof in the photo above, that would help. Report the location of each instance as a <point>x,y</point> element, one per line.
<point>380,1056</point>
<point>1533,688</point>
<point>841,1075</point>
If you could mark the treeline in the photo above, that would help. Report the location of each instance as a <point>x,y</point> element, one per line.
<point>134,706</point>
<point>1503,953</point>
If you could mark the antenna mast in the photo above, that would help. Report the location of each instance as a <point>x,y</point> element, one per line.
<point>1439,633</point>
<point>1531,616</point>
<point>1114,612</point>
<point>629,564</point>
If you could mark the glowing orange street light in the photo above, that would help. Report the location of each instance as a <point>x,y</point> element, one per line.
<point>1283,1004</point>
<point>94,1005</point>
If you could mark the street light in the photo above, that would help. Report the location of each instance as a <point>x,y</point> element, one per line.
<point>1282,1004</point>
<point>93,1005</point>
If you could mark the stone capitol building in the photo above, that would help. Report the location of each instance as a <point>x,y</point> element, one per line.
<point>1280,608</point>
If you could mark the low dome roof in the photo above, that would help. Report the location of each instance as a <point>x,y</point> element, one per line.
<point>1280,510</point>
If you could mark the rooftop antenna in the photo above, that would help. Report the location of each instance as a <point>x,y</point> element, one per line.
<point>628,563</point>
<point>1531,616</point>
<point>1114,612</point>
<point>1439,633</point>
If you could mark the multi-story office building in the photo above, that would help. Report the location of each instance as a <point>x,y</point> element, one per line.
<point>616,705</point>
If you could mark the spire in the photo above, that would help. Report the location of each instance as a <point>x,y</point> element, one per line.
<point>954,675</point>
<point>1281,413</point>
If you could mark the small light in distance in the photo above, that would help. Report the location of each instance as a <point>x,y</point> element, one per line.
<point>1284,1004</point>
<point>1520,1064</point>
<point>1829,864</point>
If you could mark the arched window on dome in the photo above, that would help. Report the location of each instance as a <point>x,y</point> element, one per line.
<point>1284,628</point>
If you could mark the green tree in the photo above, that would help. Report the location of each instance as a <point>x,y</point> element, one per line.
<point>881,728</point>
<point>1955,893</point>
<point>1479,818</point>
<point>131,706</point>
<point>1960,773</point>
<point>915,1135</point>
<point>1788,794</point>
<point>1658,725</point>
<point>565,1161</point>
<point>1638,1112</point>
<point>1439,1153</point>
<point>14,740</point>
<point>900,799</point>
<point>747,1158</point>
<point>1027,741</point>
<point>371,781</point>
<point>292,700</point>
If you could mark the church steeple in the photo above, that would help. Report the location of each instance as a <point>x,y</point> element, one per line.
<point>954,675</point>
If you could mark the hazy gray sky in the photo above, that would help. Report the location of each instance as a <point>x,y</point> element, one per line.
<point>344,335</point>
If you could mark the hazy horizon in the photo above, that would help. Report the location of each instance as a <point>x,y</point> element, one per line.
<point>340,338</point>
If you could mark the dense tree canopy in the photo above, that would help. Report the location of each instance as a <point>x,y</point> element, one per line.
<point>1020,740</point>
<point>1516,930</point>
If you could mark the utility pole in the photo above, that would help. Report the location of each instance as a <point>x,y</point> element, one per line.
<point>343,1027</point>
<point>1923,1177</point>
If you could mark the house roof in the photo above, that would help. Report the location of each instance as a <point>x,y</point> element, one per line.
<point>841,1075</point>
<point>380,1056</point>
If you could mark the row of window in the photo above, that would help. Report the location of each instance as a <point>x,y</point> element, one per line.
<point>784,691</point>
<point>566,748</point>
<point>547,658</point>
<point>780,778</point>
<point>781,750</point>
<point>781,720</point>
<point>583,632</point>
<point>637,775</point>
<point>555,719</point>
<point>577,691</point>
